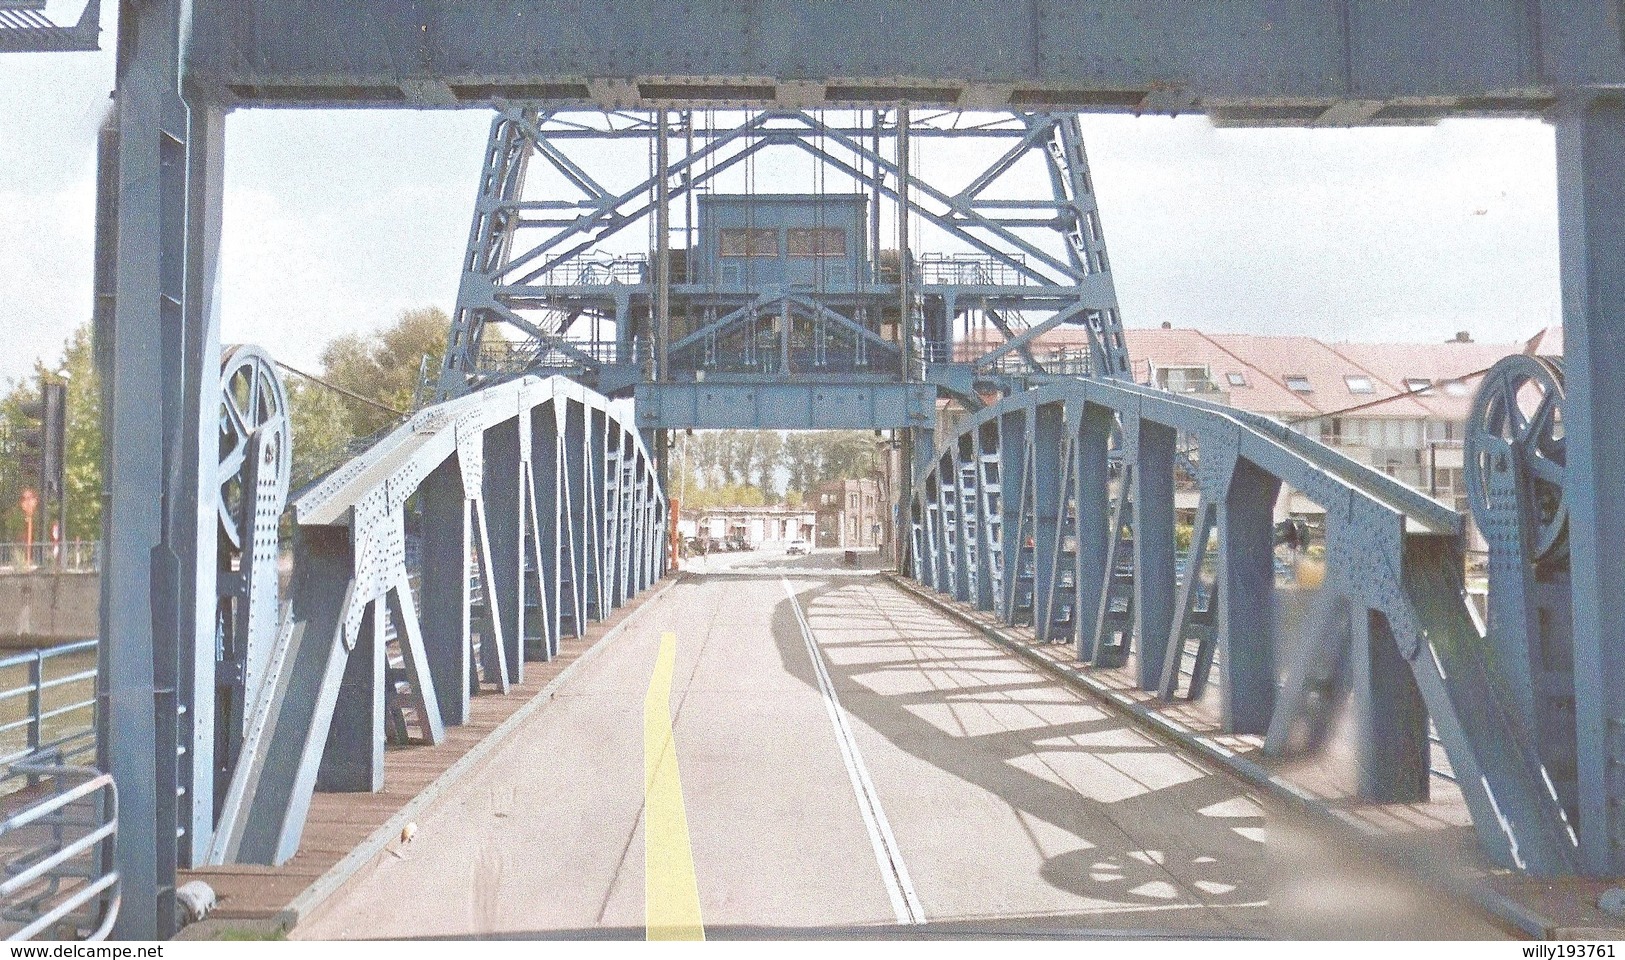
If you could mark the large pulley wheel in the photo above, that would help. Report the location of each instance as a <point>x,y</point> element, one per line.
<point>1516,424</point>
<point>253,405</point>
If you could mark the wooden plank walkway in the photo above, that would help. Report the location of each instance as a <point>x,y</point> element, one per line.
<point>340,822</point>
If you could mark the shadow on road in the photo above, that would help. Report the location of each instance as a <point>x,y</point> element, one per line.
<point>1146,831</point>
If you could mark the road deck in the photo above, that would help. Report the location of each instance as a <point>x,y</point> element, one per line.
<point>899,775</point>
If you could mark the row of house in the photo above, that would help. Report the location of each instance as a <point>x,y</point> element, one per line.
<point>849,514</point>
<point>1398,407</point>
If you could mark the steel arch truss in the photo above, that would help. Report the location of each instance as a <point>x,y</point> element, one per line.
<point>1056,509</point>
<point>467,542</point>
<point>531,266</point>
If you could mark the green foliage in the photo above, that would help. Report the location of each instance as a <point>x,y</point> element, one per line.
<point>384,367</point>
<point>82,472</point>
<point>733,495</point>
<point>322,432</point>
<point>715,468</point>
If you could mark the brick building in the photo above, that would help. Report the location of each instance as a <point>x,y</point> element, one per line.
<point>850,514</point>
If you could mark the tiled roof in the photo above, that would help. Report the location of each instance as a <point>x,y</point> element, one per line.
<point>1263,364</point>
<point>1546,343</point>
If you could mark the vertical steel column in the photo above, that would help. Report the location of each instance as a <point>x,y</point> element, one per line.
<point>628,493</point>
<point>158,370</point>
<point>965,515</point>
<point>577,508</point>
<point>1048,427</point>
<point>990,516</point>
<point>1246,597</point>
<point>447,539</point>
<point>1093,497</point>
<point>1391,723</point>
<point>913,457</point>
<point>196,511</point>
<point>1591,241</point>
<point>1013,479</point>
<point>504,519</point>
<point>595,514</point>
<point>662,246</point>
<point>353,757</point>
<point>946,546</point>
<point>551,522</point>
<point>1154,562</point>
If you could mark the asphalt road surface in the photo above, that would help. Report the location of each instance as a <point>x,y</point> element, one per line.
<point>770,754</point>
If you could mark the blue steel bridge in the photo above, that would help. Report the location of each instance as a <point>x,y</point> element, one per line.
<point>1115,715</point>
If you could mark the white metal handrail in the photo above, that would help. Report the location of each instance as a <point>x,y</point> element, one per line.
<point>59,855</point>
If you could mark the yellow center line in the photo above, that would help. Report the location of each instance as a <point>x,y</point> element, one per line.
<point>671,894</point>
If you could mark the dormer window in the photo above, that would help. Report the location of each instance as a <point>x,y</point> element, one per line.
<point>1236,379</point>
<point>1418,384</point>
<point>1298,383</point>
<point>1359,384</point>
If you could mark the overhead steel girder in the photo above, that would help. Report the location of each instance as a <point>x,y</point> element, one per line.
<point>768,405</point>
<point>1040,460</point>
<point>545,484</point>
<point>1280,61</point>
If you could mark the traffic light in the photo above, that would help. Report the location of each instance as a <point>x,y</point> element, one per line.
<point>44,439</point>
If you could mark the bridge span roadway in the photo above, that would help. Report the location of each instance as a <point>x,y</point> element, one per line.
<point>786,751</point>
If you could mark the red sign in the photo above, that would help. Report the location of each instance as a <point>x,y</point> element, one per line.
<point>28,501</point>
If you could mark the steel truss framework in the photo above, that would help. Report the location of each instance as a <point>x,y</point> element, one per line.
<point>1302,62</point>
<point>1029,512</point>
<point>25,26</point>
<point>534,509</point>
<point>531,267</point>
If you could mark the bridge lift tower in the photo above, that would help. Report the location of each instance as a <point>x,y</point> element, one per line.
<point>731,326</point>
<point>658,255</point>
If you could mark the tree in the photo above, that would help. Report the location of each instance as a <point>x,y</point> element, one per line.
<point>766,455</point>
<point>322,432</point>
<point>385,367</point>
<point>82,463</point>
<point>813,459</point>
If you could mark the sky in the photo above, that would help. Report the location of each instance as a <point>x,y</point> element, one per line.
<point>335,221</point>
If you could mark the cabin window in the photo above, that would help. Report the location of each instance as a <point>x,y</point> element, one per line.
<point>741,242</point>
<point>811,242</point>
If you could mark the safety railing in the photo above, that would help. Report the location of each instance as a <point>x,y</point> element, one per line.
<point>74,556</point>
<point>57,843</point>
<point>969,269</point>
<point>519,356</point>
<point>633,269</point>
<point>47,706</point>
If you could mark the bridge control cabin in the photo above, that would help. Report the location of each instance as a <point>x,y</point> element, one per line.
<point>782,285</point>
<point>797,242</point>
<point>773,287</point>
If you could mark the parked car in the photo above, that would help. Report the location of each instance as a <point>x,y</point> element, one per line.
<point>795,547</point>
